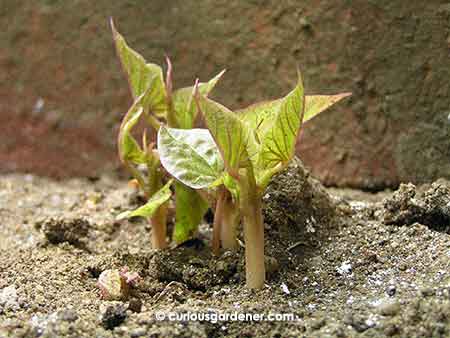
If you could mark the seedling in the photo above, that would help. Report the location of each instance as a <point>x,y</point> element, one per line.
<point>157,102</point>
<point>250,148</point>
<point>192,157</point>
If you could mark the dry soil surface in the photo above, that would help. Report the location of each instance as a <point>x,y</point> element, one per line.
<point>343,263</point>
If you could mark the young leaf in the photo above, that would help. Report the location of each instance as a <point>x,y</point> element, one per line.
<point>129,150</point>
<point>190,209</point>
<point>315,104</point>
<point>204,88</point>
<point>278,140</point>
<point>231,135</point>
<point>184,105</point>
<point>231,185</point>
<point>190,155</point>
<point>148,209</point>
<point>259,116</point>
<point>142,76</point>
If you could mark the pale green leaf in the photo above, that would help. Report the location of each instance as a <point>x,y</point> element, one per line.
<point>129,150</point>
<point>142,76</point>
<point>205,88</point>
<point>279,138</point>
<point>231,135</point>
<point>149,208</point>
<point>190,208</point>
<point>260,116</point>
<point>190,155</point>
<point>184,105</point>
<point>315,104</point>
<point>231,185</point>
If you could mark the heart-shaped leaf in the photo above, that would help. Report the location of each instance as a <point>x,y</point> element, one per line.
<point>279,135</point>
<point>232,137</point>
<point>142,76</point>
<point>190,155</point>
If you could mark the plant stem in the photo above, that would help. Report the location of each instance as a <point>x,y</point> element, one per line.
<point>159,218</point>
<point>251,209</point>
<point>218,216</point>
<point>159,228</point>
<point>230,218</point>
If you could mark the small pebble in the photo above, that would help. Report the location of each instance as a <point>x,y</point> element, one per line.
<point>9,299</point>
<point>391,330</point>
<point>391,290</point>
<point>139,332</point>
<point>357,322</point>
<point>318,323</point>
<point>135,305</point>
<point>67,315</point>
<point>285,289</point>
<point>426,292</point>
<point>345,268</point>
<point>389,308</point>
<point>112,315</point>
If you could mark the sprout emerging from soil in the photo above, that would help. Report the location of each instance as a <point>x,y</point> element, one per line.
<point>157,102</point>
<point>239,156</point>
<point>232,160</point>
<point>192,157</point>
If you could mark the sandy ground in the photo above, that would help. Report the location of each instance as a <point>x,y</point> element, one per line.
<point>343,263</point>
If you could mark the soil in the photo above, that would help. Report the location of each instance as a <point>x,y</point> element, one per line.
<point>346,263</point>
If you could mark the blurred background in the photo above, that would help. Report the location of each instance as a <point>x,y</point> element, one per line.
<point>62,92</point>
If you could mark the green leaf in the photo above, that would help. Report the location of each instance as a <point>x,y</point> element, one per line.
<point>231,135</point>
<point>259,116</point>
<point>315,104</point>
<point>148,209</point>
<point>205,88</point>
<point>232,186</point>
<point>184,105</point>
<point>142,76</point>
<point>190,208</point>
<point>129,150</point>
<point>190,155</point>
<point>279,137</point>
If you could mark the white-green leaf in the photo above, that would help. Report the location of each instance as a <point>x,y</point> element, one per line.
<point>190,208</point>
<point>142,76</point>
<point>190,155</point>
<point>231,135</point>
<point>184,105</point>
<point>129,149</point>
<point>315,104</point>
<point>149,208</point>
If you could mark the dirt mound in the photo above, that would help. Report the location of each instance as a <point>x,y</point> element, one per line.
<point>429,206</point>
